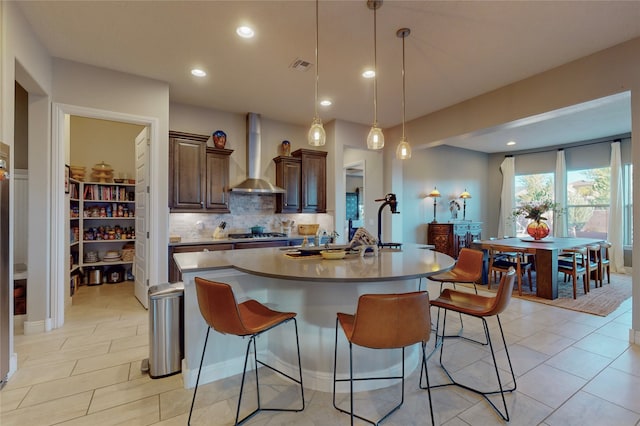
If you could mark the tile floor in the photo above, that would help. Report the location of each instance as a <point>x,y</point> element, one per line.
<point>571,369</point>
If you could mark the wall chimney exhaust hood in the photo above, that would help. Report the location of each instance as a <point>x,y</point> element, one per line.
<point>254,184</point>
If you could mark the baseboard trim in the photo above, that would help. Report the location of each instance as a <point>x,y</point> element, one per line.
<point>35,327</point>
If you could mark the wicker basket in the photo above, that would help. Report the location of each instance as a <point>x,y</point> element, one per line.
<point>308,229</point>
<point>128,254</point>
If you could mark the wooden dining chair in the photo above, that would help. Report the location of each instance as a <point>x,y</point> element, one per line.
<point>605,262</point>
<point>501,259</point>
<point>594,264</point>
<point>574,263</point>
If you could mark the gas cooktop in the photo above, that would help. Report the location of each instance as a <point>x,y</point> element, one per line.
<point>252,236</point>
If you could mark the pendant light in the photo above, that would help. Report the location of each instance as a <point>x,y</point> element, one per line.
<point>316,136</point>
<point>403,151</point>
<point>375,139</point>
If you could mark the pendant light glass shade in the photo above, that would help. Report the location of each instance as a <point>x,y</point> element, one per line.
<point>403,151</point>
<point>316,136</point>
<point>375,139</point>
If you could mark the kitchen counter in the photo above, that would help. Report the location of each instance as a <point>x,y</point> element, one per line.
<point>238,240</point>
<point>313,287</point>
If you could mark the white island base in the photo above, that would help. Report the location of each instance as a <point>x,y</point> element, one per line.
<point>315,301</point>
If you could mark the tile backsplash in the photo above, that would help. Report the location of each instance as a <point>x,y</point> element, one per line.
<point>246,211</point>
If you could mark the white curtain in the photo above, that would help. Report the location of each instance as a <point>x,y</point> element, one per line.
<point>507,225</point>
<point>616,224</point>
<point>560,190</point>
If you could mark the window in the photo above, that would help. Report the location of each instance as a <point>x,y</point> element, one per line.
<point>588,200</point>
<point>532,188</point>
<point>627,201</point>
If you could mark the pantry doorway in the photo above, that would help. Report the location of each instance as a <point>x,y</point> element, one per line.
<point>129,168</point>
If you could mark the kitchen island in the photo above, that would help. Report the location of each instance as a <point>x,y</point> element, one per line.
<point>313,287</point>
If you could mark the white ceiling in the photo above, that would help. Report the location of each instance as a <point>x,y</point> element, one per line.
<point>456,50</point>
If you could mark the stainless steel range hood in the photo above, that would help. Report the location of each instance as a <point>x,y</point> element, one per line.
<point>254,184</point>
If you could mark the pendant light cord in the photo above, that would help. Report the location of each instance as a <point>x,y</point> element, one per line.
<point>317,71</point>
<point>375,70</point>
<point>403,88</point>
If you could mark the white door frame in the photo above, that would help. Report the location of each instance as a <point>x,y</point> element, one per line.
<point>59,149</point>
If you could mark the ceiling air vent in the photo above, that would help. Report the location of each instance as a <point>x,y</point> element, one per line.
<point>301,65</point>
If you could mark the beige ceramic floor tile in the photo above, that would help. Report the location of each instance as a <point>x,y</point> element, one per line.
<point>10,399</point>
<point>546,342</point>
<point>564,385</point>
<point>76,384</point>
<point>111,359</point>
<point>617,387</point>
<point>118,394</point>
<point>104,336</point>
<point>28,376</point>
<point>629,361</point>
<point>587,410</point>
<point>129,342</point>
<point>49,413</point>
<point>66,355</point>
<point>603,345</point>
<point>579,362</point>
<point>137,413</point>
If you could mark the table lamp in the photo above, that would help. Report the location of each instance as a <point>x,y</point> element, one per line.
<point>464,197</point>
<point>434,194</point>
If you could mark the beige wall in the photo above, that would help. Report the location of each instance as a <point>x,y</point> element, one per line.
<point>205,121</point>
<point>605,73</point>
<point>94,141</point>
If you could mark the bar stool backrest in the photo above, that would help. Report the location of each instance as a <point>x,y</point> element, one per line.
<point>503,297</point>
<point>385,321</point>
<point>219,308</point>
<point>470,262</point>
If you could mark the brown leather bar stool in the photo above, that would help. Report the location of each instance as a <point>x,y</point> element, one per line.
<point>384,321</point>
<point>468,270</point>
<point>221,312</point>
<point>481,307</point>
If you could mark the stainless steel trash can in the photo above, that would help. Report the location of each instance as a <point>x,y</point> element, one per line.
<point>166,329</point>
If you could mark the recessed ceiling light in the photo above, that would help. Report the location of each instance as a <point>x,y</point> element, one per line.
<point>245,32</point>
<point>198,72</point>
<point>369,74</point>
<point>511,143</point>
<point>325,102</point>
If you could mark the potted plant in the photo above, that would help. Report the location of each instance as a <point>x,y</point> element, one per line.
<point>534,210</point>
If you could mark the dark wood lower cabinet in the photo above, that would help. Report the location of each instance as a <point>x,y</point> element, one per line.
<point>450,238</point>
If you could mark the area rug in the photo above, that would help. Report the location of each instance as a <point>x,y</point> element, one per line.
<point>599,301</point>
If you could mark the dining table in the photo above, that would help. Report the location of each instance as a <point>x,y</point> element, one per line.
<point>546,253</point>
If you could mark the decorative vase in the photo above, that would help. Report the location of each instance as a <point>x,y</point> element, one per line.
<point>285,148</point>
<point>219,139</point>
<point>538,229</point>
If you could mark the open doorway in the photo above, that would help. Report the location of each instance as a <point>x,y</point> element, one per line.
<point>60,248</point>
<point>102,203</point>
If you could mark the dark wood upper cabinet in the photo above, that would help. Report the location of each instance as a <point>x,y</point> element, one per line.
<point>198,175</point>
<point>303,177</point>
<point>288,177</point>
<point>313,168</point>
